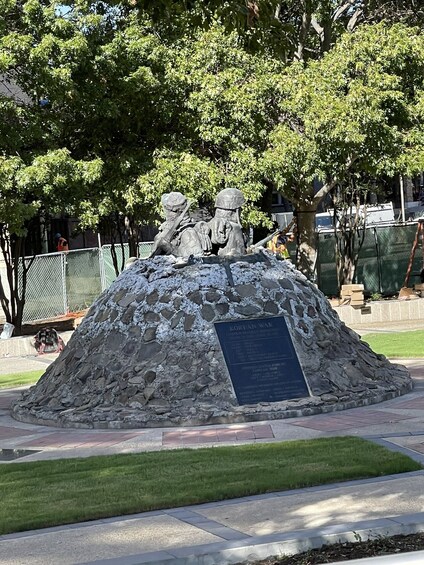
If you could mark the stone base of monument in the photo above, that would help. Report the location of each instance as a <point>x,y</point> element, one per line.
<point>218,340</point>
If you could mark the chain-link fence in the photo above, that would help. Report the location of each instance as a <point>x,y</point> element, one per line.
<point>82,277</point>
<point>45,290</point>
<point>121,257</point>
<point>59,283</point>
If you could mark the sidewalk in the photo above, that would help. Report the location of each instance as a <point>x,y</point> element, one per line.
<point>235,530</point>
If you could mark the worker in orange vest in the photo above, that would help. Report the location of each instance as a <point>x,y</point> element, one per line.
<point>278,245</point>
<point>61,243</point>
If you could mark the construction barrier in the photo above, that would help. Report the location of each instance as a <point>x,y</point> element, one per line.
<point>59,283</point>
<point>382,263</point>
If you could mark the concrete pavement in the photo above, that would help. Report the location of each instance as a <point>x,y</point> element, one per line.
<point>235,530</point>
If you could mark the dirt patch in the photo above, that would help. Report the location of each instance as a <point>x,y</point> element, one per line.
<point>61,324</point>
<point>347,551</point>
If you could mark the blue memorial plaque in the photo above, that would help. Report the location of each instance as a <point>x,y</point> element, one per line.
<point>261,360</point>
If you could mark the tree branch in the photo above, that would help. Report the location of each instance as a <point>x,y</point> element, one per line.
<point>303,32</point>
<point>328,186</point>
<point>342,9</point>
<point>317,27</point>
<point>353,20</point>
<point>324,190</point>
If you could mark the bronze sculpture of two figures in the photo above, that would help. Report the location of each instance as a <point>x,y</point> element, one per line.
<point>180,236</point>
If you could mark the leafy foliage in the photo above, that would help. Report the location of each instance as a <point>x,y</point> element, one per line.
<point>118,102</point>
<point>352,112</point>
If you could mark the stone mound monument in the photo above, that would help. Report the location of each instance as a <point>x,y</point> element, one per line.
<point>221,338</point>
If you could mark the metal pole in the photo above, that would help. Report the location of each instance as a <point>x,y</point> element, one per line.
<point>402,198</point>
<point>102,266</point>
<point>419,232</point>
<point>44,235</point>
<point>64,289</point>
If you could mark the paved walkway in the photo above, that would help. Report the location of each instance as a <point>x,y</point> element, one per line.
<point>230,531</point>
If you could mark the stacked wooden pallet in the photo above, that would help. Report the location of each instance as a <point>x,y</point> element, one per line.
<point>352,294</point>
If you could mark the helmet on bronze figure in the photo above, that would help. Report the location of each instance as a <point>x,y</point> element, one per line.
<point>230,199</point>
<point>174,201</point>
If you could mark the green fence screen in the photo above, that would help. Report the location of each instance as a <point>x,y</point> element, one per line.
<point>382,264</point>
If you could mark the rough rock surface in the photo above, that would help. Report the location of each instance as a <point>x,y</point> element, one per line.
<point>147,354</point>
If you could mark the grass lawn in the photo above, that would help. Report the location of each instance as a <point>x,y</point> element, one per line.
<point>19,379</point>
<point>47,493</point>
<point>400,344</point>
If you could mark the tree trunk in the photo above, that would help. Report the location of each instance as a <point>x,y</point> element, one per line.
<point>345,263</point>
<point>16,268</point>
<point>17,293</point>
<point>133,236</point>
<point>4,302</point>
<point>118,234</point>
<point>304,31</point>
<point>306,254</point>
<point>306,209</point>
<point>328,36</point>
<point>349,225</point>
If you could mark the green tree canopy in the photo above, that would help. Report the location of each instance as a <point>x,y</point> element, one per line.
<point>357,110</point>
<point>126,101</point>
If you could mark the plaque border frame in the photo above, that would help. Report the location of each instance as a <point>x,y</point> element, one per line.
<point>228,370</point>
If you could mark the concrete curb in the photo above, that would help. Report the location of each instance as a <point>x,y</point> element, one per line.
<point>17,346</point>
<point>252,549</point>
<point>23,346</point>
